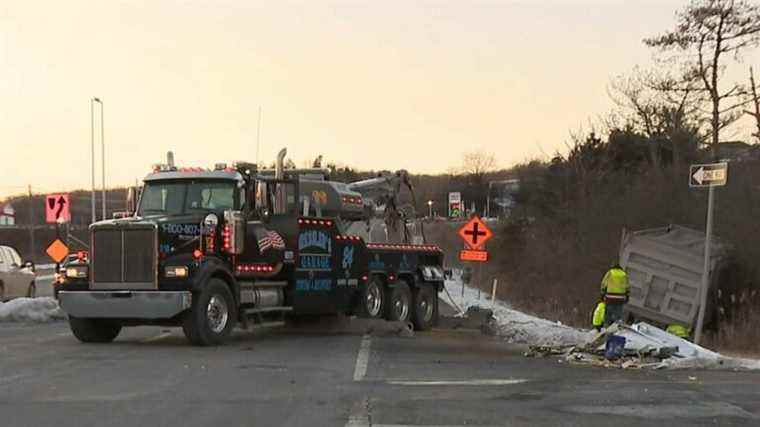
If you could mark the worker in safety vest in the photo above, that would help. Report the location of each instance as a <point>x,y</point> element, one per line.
<point>614,294</point>
<point>598,320</point>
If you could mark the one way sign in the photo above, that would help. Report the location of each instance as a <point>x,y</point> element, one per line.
<point>709,175</point>
<point>57,208</point>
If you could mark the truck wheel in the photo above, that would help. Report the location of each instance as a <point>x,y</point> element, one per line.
<point>2,292</point>
<point>372,299</point>
<point>212,316</point>
<point>425,312</point>
<point>399,302</point>
<point>94,330</point>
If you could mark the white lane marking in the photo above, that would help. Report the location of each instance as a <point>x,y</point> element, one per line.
<point>413,425</point>
<point>157,337</point>
<point>358,421</point>
<point>45,277</point>
<point>362,359</point>
<point>459,382</point>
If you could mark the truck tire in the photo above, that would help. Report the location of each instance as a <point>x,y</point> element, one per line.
<point>31,292</point>
<point>399,307</point>
<point>425,309</point>
<point>372,299</point>
<point>212,316</point>
<point>94,330</point>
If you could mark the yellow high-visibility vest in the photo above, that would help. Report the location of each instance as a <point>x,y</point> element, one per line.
<point>598,320</point>
<point>615,282</point>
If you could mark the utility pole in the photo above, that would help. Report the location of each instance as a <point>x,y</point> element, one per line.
<point>32,249</point>
<point>258,137</point>
<point>488,200</point>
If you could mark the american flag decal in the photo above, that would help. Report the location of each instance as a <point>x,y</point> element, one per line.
<point>271,239</point>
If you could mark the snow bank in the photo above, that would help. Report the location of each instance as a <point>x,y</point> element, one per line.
<point>44,309</point>
<point>515,326</point>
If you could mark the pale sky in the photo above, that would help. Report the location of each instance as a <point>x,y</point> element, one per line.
<point>371,84</point>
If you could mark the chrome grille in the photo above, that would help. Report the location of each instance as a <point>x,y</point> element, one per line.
<point>124,258</point>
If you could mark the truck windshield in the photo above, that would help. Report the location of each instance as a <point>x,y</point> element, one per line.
<point>183,197</point>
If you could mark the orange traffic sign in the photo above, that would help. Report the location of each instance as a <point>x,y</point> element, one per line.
<point>57,251</point>
<point>475,233</point>
<point>57,208</point>
<point>477,256</point>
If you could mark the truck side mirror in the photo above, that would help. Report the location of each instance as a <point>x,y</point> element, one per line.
<point>132,196</point>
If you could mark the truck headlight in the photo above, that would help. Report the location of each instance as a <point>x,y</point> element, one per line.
<point>76,272</point>
<point>176,271</point>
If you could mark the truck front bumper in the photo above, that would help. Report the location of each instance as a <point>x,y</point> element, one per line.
<point>124,304</point>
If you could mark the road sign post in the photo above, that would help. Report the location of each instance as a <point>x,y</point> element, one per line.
<point>475,234</point>
<point>707,175</point>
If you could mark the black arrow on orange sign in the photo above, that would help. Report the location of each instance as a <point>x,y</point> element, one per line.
<point>61,204</point>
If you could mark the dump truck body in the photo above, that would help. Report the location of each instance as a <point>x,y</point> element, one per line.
<point>665,267</point>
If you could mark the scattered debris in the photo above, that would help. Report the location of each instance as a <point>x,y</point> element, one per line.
<point>646,346</point>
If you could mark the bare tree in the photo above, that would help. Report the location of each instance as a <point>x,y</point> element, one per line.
<point>755,99</point>
<point>478,163</point>
<point>663,108</point>
<point>707,31</point>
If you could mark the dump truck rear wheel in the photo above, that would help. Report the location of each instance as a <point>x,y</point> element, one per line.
<point>399,302</point>
<point>94,330</point>
<point>212,316</point>
<point>425,311</point>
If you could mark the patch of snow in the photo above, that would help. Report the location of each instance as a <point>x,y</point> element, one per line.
<point>44,309</point>
<point>515,326</point>
<point>641,334</point>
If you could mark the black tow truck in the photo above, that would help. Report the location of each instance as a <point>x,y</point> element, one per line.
<point>211,249</point>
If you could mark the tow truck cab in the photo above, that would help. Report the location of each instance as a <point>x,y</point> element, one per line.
<point>206,249</point>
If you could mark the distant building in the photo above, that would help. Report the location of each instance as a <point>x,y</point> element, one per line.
<point>7,215</point>
<point>502,196</point>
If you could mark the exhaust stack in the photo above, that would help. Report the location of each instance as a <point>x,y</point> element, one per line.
<point>279,169</point>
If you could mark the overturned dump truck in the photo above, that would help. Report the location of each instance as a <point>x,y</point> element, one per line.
<point>664,268</point>
<point>207,250</point>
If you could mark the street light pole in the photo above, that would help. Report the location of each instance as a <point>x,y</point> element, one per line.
<point>103,156</point>
<point>92,155</point>
<point>430,209</point>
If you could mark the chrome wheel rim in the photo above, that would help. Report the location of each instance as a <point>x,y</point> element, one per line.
<point>427,309</point>
<point>401,309</point>
<point>374,299</point>
<point>217,314</point>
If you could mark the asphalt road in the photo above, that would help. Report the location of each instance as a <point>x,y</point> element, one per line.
<point>293,377</point>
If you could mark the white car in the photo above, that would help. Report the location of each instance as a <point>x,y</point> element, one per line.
<point>16,278</point>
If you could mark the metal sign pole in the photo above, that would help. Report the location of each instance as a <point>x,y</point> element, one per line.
<point>706,268</point>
